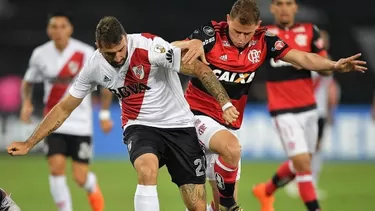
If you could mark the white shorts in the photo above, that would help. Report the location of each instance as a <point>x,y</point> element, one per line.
<point>298,131</point>
<point>206,127</point>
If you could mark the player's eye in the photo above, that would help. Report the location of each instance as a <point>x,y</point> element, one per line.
<point>109,56</point>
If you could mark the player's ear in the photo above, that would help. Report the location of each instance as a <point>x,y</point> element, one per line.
<point>259,23</point>
<point>71,30</point>
<point>272,8</point>
<point>295,7</point>
<point>48,31</point>
<point>228,18</point>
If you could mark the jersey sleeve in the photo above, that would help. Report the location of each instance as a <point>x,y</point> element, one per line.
<point>206,33</point>
<point>276,47</point>
<point>317,42</point>
<point>33,73</point>
<point>84,83</point>
<point>163,54</point>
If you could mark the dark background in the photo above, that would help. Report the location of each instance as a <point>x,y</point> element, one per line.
<point>23,23</point>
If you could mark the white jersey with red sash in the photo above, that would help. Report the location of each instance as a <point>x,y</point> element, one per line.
<point>58,70</point>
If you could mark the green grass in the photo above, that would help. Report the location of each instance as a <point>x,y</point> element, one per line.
<point>350,186</point>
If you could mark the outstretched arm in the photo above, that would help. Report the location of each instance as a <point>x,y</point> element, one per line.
<point>314,62</point>
<point>54,119</point>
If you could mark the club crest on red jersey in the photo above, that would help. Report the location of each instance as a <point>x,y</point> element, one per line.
<point>254,56</point>
<point>138,72</point>
<point>279,45</point>
<point>73,67</point>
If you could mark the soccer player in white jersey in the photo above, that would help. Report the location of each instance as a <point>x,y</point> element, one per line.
<point>141,70</point>
<point>6,203</point>
<point>57,63</point>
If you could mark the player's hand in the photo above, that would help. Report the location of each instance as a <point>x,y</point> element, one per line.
<point>350,64</point>
<point>194,50</point>
<point>18,148</point>
<point>106,125</point>
<point>26,111</point>
<point>230,115</point>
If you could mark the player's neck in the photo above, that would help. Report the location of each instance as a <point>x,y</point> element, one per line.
<point>61,46</point>
<point>285,25</point>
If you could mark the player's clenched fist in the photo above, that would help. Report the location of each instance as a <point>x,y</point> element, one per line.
<point>230,114</point>
<point>18,148</point>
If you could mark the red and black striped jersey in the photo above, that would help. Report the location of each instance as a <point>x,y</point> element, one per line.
<point>289,89</point>
<point>235,68</point>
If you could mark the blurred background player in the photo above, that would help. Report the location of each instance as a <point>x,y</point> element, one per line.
<point>6,203</point>
<point>56,64</point>
<point>292,105</point>
<point>327,97</point>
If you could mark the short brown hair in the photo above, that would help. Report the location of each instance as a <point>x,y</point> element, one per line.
<point>246,11</point>
<point>109,31</point>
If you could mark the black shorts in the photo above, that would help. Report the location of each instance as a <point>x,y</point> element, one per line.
<point>79,148</point>
<point>177,148</point>
<point>321,127</point>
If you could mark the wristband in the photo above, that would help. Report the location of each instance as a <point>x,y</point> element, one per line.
<point>104,114</point>
<point>226,105</point>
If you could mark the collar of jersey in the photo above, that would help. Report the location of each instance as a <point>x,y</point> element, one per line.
<point>284,27</point>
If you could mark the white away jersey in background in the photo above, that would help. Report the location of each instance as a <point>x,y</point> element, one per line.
<point>147,85</point>
<point>321,85</point>
<point>58,71</point>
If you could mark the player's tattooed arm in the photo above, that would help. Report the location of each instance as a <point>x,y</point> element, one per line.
<point>54,119</point>
<point>194,196</point>
<point>208,79</point>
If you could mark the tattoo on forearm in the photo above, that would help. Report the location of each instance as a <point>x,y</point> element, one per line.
<point>194,195</point>
<point>209,81</point>
<point>57,125</point>
<point>214,87</point>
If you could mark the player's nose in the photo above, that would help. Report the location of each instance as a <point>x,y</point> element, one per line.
<point>118,58</point>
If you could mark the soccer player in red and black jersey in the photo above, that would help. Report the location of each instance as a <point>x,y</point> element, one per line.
<point>234,50</point>
<point>292,105</point>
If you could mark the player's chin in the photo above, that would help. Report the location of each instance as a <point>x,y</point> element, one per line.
<point>118,64</point>
<point>240,45</point>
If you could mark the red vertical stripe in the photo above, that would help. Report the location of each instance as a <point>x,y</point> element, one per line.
<point>138,73</point>
<point>67,72</point>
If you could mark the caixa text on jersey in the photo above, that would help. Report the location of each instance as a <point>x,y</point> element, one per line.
<point>233,77</point>
<point>128,90</point>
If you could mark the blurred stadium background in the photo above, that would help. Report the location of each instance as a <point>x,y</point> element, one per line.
<point>348,176</point>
